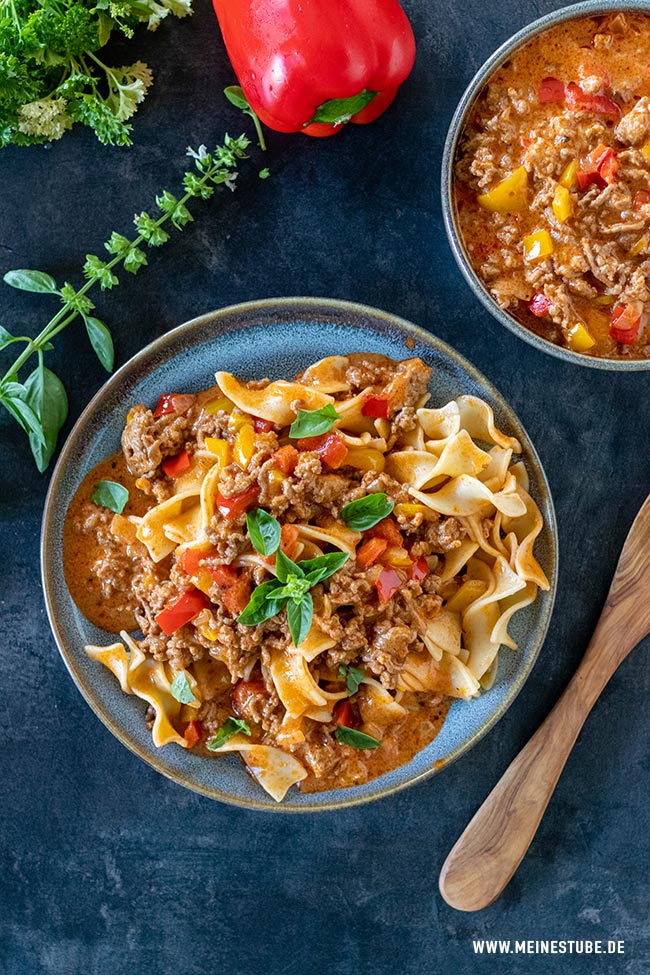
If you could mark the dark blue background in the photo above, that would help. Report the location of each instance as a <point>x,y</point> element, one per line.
<point>110,867</point>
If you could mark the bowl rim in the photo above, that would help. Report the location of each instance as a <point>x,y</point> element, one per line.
<point>295,305</point>
<point>459,118</point>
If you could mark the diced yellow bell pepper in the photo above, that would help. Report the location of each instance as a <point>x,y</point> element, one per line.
<point>508,196</point>
<point>604,300</point>
<point>579,338</point>
<point>203,581</point>
<point>207,632</point>
<point>468,592</point>
<point>562,207</point>
<point>407,509</point>
<point>646,150</point>
<point>276,478</point>
<point>223,404</point>
<point>639,247</point>
<point>569,176</point>
<point>244,445</point>
<point>365,459</point>
<point>538,245</point>
<point>221,448</point>
<point>397,556</point>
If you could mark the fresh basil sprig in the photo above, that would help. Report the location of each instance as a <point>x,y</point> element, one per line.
<point>312,423</point>
<point>181,689</point>
<point>230,727</point>
<point>352,677</point>
<point>291,590</point>
<point>264,531</point>
<point>39,403</point>
<point>111,495</point>
<point>354,738</point>
<point>366,512</point>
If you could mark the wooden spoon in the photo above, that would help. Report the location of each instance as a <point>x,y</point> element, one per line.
<point>487,854</point>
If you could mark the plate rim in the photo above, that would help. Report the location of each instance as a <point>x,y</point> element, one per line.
<point>157,347</point>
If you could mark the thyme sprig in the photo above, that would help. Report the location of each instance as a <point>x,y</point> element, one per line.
<point>40,404</point>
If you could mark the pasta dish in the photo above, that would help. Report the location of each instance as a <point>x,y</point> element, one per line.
<point>306,572</point>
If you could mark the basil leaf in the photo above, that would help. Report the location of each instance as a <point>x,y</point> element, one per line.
<point>311,423</point>
<point>299,617</point>
<point>352,676</point>
<point>181,689</point>
<point>6,338</point>
<point>323,567</point>
<point>285,567</point>
<point>262,606</point>
<point>31,281</point>
<point>14,397</point>
<point>356,739</point>
<point>47,397</point>
<point>236,97</point>
<point>101,341</point>
<point>337,111</point>
<point>111,495</point>
<point>230,727</point>
<point>366,512</point>
<point>264,531</point>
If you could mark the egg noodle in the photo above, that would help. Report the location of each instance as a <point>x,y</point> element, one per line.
<point>446,465</point>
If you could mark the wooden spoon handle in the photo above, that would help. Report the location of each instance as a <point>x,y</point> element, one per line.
<point>492,846</point>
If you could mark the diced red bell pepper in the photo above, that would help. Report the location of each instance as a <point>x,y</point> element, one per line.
<point>419,570</point>
<point>375,406</point>
<point>641,199</point>
<point>603,159</point>
<point>386,528</point>
<point>577,100</point>
<point>173,403</point>
<point>193,733</point>
<point>329,446</point>
<point>230,508</point>
<point>343,714</point>
<point>224,575</point>
<point>551,90</point>
<point>370,551</point>
<point>388,583</point>
<point>237,596</point>
<point>587,177</point>
<point>539,304</point>
<point>175,466</point>
<point>286,458</point>
<point>626,322</point>
<point>243,693</point>
<point>181,611</point>
<point>262,426</point>
<point>190,558</point>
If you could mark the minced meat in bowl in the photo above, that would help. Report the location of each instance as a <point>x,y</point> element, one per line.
<point>548,184</point>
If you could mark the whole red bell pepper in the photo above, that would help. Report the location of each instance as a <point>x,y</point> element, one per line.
<point>313,65</point>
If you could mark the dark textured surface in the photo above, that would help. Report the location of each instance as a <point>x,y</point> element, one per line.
<point>110,867</point>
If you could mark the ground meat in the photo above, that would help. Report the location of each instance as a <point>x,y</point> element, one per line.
<point>389,648</point>
<point>634,127</point>
<point>146,441</point>
<point>438,537</point>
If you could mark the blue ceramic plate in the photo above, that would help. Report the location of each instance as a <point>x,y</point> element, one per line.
<point>274,338</point>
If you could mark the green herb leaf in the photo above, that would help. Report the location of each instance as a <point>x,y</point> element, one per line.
<point>316,570</point>
<point>264,173</point>
<point>263,604</point>
<point>354,738</point>
<point>264,531</point>
<point>352,677</point>
<point>230,728</point>
<point>6,338</point>
<point>337,111</point>
<point>111,495</point>
<point>312,423</point>
<point>366,512</point>
<point>181,689</point>
<point>101,341</point>
<point>47,397</point>
<point>236,97</point>
<point>285,568</point>
<point>14,399</point>
<point>299,616</point>
<point>134,260</point>
<point>31,281</point>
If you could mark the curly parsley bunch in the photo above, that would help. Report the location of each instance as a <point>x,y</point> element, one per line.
<point>51,76</point>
